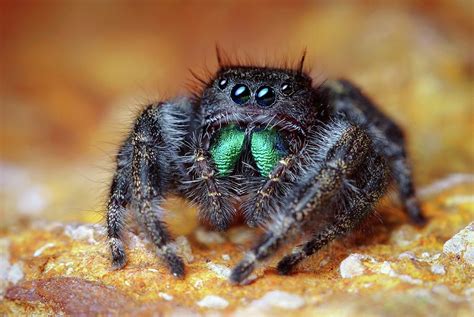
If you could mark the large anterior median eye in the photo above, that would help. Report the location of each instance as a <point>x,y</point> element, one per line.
<point>265,96</point>
<point>240,94</point>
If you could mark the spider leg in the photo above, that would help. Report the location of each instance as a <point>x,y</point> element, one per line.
<point>206,189</point>
<point>346,149</point>
<point>349,102</point>
<point>119,197</point>
<point>345,219</point>
<point>260,205</point>
<point>157,136</point>
<point>146,166</point>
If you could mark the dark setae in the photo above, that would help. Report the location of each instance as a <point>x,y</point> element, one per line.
<point>292,157</point>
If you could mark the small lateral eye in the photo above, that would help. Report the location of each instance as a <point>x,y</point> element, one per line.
<point>222,83</point>
<point>286,89</point>
<point>265,96</point>
<point>240,94</point>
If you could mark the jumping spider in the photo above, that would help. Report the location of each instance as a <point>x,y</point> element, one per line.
<point>267,144</point>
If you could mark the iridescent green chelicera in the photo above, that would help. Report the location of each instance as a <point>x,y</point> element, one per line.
<point>264,147</point>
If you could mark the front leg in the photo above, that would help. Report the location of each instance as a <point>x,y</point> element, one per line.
<point>119,198</point>
<point>344,149</point>
<point>267,197</point>
<point>206,189</point>
<point>145,170</point>
<point>157,137</point>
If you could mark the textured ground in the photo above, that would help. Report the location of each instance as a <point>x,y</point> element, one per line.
<point>388,268</point>
<point>75,71</point>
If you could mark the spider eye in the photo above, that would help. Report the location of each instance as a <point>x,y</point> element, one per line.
<point>286,89</point>
<point>265,96</point>
<point>222,83</point>
<point>240,94</point>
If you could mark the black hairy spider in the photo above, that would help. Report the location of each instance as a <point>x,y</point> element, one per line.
<point>266,144</point>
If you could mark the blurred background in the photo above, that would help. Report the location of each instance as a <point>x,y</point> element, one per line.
<point>74,74</point>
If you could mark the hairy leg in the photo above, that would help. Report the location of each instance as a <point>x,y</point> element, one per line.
<point>119,197</point>
<point>206,189</point>
<point>349,102</point>
<point>343,149</point>
<point>269,195</point>
<point>144,175</point>
<point>157,135</point>
<point>346,218</point>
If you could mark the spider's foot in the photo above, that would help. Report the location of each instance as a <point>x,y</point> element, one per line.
<point>242,270</point>
<point>286,265</point>
<point>414,212</point>
<point>119,259</point>
<point>175,264</point>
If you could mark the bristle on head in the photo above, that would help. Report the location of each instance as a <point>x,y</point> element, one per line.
<point>226,61</point>
<point>301,63</point>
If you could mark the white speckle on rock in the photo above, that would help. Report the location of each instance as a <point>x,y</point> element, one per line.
<point>469,255</point>
<point>165,296</point>
<point>462,244</point>
<point>226,257</point>
<point>184,249</point>
<point>222,271</point>
<point>213,301</point>
<point>436,256</point>
<point>437,268</point>
<point>410,280</point>
<point>241,235</point>
<point>208,237</point>
<point>386,268</point>
<point>352,265</point>
<point>404,236</point>
<point>135,242</point>
<point>69,271</point>
<point>15,273</point>
<point>8,273</point>
<point>278,299</point>
<point>40,250</point>
<point>407,255</point>
<point>324,262</point>
<point>81,232</point>
<point>198,284</point>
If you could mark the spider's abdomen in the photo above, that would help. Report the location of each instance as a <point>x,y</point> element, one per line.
<point>266,146</point>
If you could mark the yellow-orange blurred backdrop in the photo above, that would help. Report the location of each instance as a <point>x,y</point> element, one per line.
<point>74,74</point>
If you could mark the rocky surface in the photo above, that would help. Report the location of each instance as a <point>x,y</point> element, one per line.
<point>386,267</point>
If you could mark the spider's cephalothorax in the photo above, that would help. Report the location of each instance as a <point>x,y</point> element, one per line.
<point>267,143</point>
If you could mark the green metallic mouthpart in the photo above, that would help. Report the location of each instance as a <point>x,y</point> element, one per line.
<point>264,146</point>
<point>264,150</point>
<point>226,150</point>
